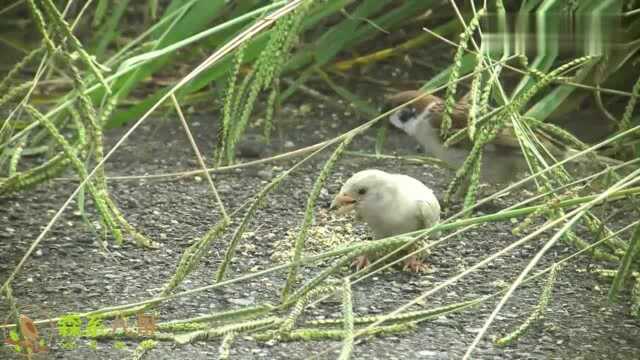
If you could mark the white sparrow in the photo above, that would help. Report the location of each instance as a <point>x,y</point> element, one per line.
<point>391,204</point>
<point>502,158</point>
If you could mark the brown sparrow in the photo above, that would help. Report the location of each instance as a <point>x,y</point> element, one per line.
<point>422,119</point>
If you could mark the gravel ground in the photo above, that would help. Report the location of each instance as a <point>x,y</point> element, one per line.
<point>68,274</point>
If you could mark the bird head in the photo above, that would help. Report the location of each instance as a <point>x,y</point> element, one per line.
<point>365,189</point>
<point>426,107</point>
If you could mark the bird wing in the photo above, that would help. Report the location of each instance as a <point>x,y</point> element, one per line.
<point>428,207</point>
<point>428,213</point>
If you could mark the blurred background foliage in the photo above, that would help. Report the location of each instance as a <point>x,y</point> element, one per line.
<point>145,46</point>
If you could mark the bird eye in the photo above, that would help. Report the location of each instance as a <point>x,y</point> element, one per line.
<point>362,191</point>
<point>406,114</point>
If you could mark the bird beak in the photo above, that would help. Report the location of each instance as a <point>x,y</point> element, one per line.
<point>343,203</point>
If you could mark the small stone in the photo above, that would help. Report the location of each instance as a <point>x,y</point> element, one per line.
<point>242,301</point>
<point>265,174</point>
<point>133,203</point>
<point>305,109</point>
<point>252,146</point>
<point>432,354</point>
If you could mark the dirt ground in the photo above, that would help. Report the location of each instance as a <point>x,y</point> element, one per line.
<point>68,273</point>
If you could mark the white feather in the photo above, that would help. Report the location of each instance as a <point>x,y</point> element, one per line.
<point>393,204</point>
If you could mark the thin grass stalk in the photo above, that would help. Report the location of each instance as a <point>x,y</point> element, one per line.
<point>34,176</point>
<point>398,311</point>
<point>510,110</point>
<point>16,156</point>
<point>635,296</point>
<point>229,253</point>
<point>240,95</point>
<point>191,257</point>
<point>39,19</point>
<point>347,314</point>
<point>538,312</point>
<point>428,313</point>
<point>237,235</point>
<point>143,348</point>
<point>220,53</point>
<point>474,182</point>
<point>407,317</point>
<point>58,20</point>
<point>475,96</point>
<point>490,258</point>
<point>625,122</point>
<point>11,302</point>
<point>455,74</point>
<point>488,88</point>
<point>204,335</point>
<point>272,103</point>
<point>267,68</point>
<point>352,251</point>
<point>11,95</point>
<point>308,215</point>
<point>312,334</point>
<point>575,216</point>
<point>288,324</point>
<point>229,106</point>
<point>198,154</point>
<point>18,67</point>
<point>70,153</point>
<point>225,346</point>
<point>624,269</point>
<point>219,317</point>
<point>133,64</point>
<point>138,237</point>
<point>95,134</point>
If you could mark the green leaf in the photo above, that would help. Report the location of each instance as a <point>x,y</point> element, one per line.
<point>381,137</point>
<point>334,40</point>
<point>547,27</point>
<point>468,64</point>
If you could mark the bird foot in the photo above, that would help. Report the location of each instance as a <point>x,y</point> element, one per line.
<point>360,262</point>
<point>413,264</point>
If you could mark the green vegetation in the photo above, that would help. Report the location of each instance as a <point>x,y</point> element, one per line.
<point>263,52</point>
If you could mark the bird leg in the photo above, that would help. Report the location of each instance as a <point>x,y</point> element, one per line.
<point>360,262</point>
<point>413,264</point>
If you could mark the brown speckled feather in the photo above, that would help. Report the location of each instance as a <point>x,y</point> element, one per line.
<point>506,137</point>
<point>458,117</point>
